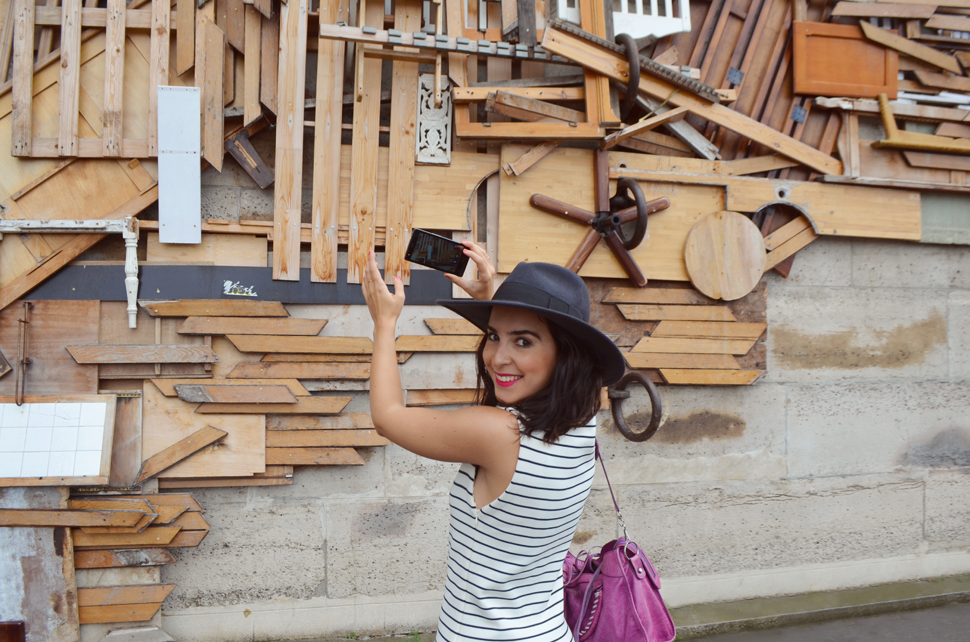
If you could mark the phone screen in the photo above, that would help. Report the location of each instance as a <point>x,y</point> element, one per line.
<point>436,252</point>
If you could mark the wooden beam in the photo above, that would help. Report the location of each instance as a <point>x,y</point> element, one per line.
<point>910,48</point>
<point>671,116</point>
<point>114,72</point>
<point>440,397</point>
<point>943,81</point>
<point>786,232</point>
<point>246,325</point>
<point>213,78</point>
<point>788,248</point>
<point>287,208</point>
<point>300,370</point>
<point>158,65</point>
<point>69,85</point>
<point>23,78</point>
<point>214,308</point>
<point>150,353</point>
<point>179,451</point>
<point>153,536</point>
<point>251,66</point>
<point>452,326</point>
<point>24,517</point>
<point>308,345</point>
<point>185,36</point>
<point>881,10</point>
<point>117,613</point>
<point>269,65</point>
<point>304,406</point>
<point>709,329</point>
<point>676,296</point>
<point>232,393</point>
<point>529,109</point>
<point>313,456</point>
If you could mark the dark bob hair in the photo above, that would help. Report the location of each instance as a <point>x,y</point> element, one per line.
<point>570,401</point>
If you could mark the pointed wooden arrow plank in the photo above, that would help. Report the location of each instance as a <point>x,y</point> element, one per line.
<point>214,308</point>
<point>675,360</point>
<point>72,518</point>
<point>452,326</point>
<point>169,500</point>
<point>246,325</point>
<point>202,393</point>
<point>694,346</point>
<point>311,345</point>
<point>323,438</point>
<point>132,594</point>
<point>143,354</point>
<point>114,503</point>
<point>167,386</point>
<point>438,343</point>
<point>711,377</point>
<point>165,515</point>
<point>345,421</point>
<point>709,329</point>
<point>192,522</point>
<point>117,613</point>
<point>910,48</point>
<point>313,457</point>
<point>179,451</point>
<point>646,312</point>
<point>154,536</point>
<point>115,559</point>
<point>263,371</point>
<point>304,406</point>
<point>677,296</point>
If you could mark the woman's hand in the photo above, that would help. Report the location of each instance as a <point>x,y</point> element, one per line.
<point>483,287</point>
<point>384,307</point>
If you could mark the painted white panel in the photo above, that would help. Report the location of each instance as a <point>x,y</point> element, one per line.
<point>179,165</point>
<point>52,439</point>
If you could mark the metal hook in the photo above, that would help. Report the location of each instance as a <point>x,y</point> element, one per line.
<point>617,393</point>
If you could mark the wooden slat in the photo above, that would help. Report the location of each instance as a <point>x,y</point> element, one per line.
<point>194,521</point>
<point>440,343</point>
<point>116,595</point>
<point>69,85</point>
<point>227,482</point>
<point>265,7</point>
<point>169,499</point>
<point>323,438</point>
<point>709,329</point>
<point>188,538</point>
<point>529,109</point>
<point>480,94</point>
<point>440,397</point>
<point>309,345</point>
<point>937,161</point>
<point>694,346</point>
<point>25,517</point>
<point>942,81</point>
<point>452,326</point>
<point>300,370</point>
<point>114,73</point>
<point>343,421</point>
<point>204,393</point>
<point>910,48</point>
<point>23,78</point>
<point>213,77</point>
<point>400,179</point>
<point>529,158</point>
<point>325,203</point>
<point>288,191</point>
<point>711,377</point>
<point>158,64</point>
<point>314,456</point>
<point>786,232</point>
<point>236,32</point>
<point>645,312</point>
<point>185,36</point>
<point>167,386</point>
<point>113,503</point>
<point>245,325</point>
<point>285,357</point>
<point>143,523</point>
<point>117,613</point>
<point>674,360</point>
<point>214,308</point>
<point>115,559</point>
<point>8,11</point>
<point>143,354</point>
<point>305,405</point>
<point>881,10</point>
<point>152,536</point>
<point>656,295</point>
<point>183,449</point>
<point>363,167</point>
<point>251,66</point>
<point>269,59</point>
<point>789,248</point>
<point>948,22</point>
<point>758,164</point>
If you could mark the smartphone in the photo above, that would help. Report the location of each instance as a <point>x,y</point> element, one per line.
<point>438,252</point>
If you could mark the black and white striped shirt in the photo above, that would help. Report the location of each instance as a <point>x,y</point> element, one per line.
<point>505,561</point>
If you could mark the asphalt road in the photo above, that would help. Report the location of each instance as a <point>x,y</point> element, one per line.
<point>944,624</point>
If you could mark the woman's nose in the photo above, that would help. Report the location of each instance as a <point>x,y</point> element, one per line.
<point>502,354</point>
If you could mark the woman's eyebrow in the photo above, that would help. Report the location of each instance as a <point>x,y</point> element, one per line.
<point>492,330</point>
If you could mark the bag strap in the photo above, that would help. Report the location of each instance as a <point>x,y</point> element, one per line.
<point>619,515</point>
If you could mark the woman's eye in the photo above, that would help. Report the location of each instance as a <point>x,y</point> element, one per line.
<point>492,336</point>
<point>523,343</point>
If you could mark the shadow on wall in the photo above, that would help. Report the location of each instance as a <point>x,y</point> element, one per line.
<point>691,428</point>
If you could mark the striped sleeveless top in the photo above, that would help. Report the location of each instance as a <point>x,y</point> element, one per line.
<point>504,577</point>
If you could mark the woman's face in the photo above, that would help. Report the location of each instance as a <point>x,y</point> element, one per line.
<point>520,354</point>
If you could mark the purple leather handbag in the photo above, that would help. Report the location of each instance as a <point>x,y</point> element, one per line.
<point>613,595</point>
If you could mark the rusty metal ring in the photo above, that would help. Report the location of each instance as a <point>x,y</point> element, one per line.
<point>617,393</point>
<point>633,82</point>
<point>630,186</point>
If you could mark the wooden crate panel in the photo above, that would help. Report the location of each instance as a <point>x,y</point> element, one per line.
<point>838,60</point>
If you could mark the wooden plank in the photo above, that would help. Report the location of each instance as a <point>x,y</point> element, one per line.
<point>114,70</point>
<point>711,377</point>
<point>452,326</point>
<point>194,521</point>
<point>948,23</point>
<point>530,109</point>
<point>69,84</point>
<point>440,397</point>
<point>217,249</point>
<point>251,66</point>
<point>937,161</point>
<point>300,370</point>
<point>120,558</point>
<point>116,595</point>
<point>246,325</point>
<point>305,405</point>
<point>550,94</point>
<point>679,296</point>
<point>113,503</point>
<point>236,22</point>
<point>158,64</point>
<point>881,10</point>
<point>709,329</point>
<point>213,77</point>
<point>8,10</point>
<point>529,158</point>
<point>363,172</point>
<point>323,438</point>
<point>757,164</point>
<point>943,81</point>
<point>167,386</point>
<point>26,517</point>
<point>313,457</point>
<point>674,360</point>
<point>786,232</point>
<point>214,308</point>
<point>152,536</point>
<point>288,191</point>
<point>179,451</point>
<point>287,357</point>
<point>23,78</point>
<point>226,482</point>
<point>644,312</point>
<point>117,613</point>
<point>126,445</point>
<point>185,36</point>
<point>910,48</point>
<point>343,421</point>
<point>439,343</point>
<point>789,248</point>
<point>694,346</point>
<point>819,54</point>
<point>643,126</point>
<point>400,179</point>
<point>205,393</point>
<point>168,499</point>
<point>188,538</point>
<point>269,60</point>
<point>143,354</point>
<point>309,345</point>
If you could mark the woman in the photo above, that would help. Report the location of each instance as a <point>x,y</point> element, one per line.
<point>527,451</point>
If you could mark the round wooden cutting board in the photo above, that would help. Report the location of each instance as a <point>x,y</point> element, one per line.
<point>725,255</point>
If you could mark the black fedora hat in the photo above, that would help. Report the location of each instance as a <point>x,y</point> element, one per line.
<point>555,293</point>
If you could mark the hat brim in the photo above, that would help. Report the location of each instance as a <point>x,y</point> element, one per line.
<point>602,347</point>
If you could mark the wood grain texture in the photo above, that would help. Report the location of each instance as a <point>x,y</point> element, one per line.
<point>117,613</point>
<point>217,249</point>
<point>675,296</point>
<point>284,357</point>
<point>786,232</point>
<point>245,372</point>
<point>881,10</point>
<point>158,64</point>
<point>438,343</point>
<point>910,48</point>
<point>167,386</point>
<point>709,329</point>
<point>205,393</point>
<point>245,325</point>
<point>440,397</point>
<point>152,536</point>
<point>323,438</point>
<point>646,312</point>
<point>185,36</point>
<point>674,360</point>
<point>694,346</point>
<point>168,499</point>
<point>69,85</point>
<point>343,421</point>
<point>26,517</point>
<point>288,192</point>
<point>313,457</point>
<point>269,65</point>
<point>126,445</point>
<point>179,451</point>
<point>251,66</point>
<point>131,594</point>
<point>213,79</point>
<point>725,255</point>
<point>308,345</point>
<point>116,559</point>
<point>711,377</point>
<point>142,354</point>
<point>114,73</point>
<point>214,308</point>
<point>303,406</point>
<point>790,247</point>
<point>820,52</point>
<point>23,78</point>
<point>452,326</point>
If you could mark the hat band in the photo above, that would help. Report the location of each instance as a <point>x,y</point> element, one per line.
<point>522,293</point>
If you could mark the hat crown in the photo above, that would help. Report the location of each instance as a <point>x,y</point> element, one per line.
<point>565,290</point>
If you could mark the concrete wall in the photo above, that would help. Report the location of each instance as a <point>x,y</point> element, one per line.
<point>848,465</point>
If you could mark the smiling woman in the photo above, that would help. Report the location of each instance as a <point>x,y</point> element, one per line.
<point>527,449</point>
